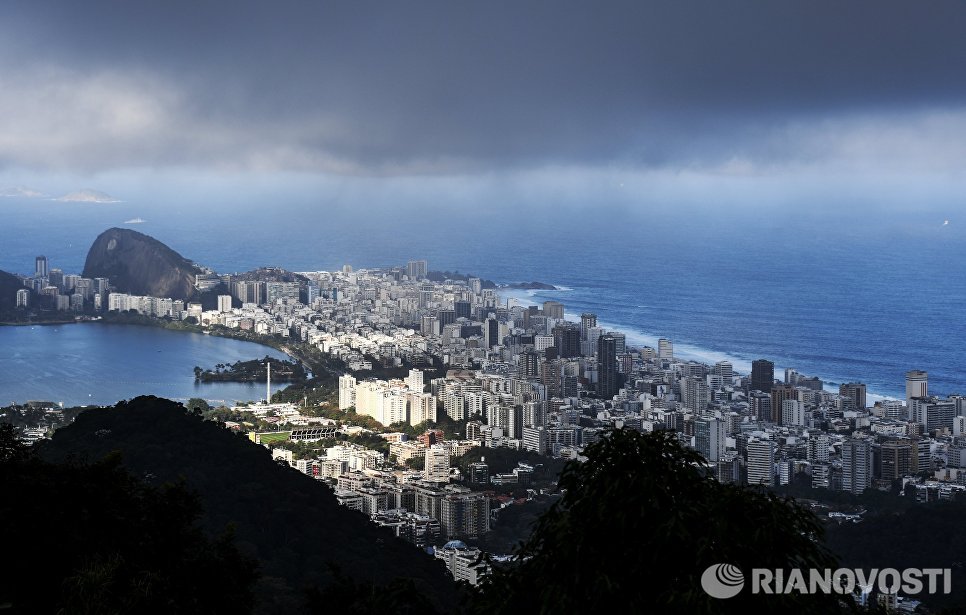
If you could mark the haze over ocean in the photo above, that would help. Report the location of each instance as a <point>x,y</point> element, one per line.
<point>844,297</point>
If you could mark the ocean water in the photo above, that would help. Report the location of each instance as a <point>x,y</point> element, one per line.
<point>847,297</point>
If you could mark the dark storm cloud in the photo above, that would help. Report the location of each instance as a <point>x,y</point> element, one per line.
<point>422,87</point>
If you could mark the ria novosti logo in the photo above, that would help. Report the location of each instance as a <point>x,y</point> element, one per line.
<point>724,581</point>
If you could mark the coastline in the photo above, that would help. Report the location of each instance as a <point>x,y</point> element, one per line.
<point>521,296</point>
<point>635,338</point>
<point>44,323</point>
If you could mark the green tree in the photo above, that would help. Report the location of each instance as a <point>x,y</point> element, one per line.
<point>106,542</point>
<point>637,526</point>
<point>196,405</point>
<point>416,463</point>
<point>12,449</point>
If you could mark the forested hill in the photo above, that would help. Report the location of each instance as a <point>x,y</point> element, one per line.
<point>288,521</point>
<point>9,285</point>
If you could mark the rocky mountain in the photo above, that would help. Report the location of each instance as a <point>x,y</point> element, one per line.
<point>289,522</point>
<point>9,285</point>
<point>140,265</point>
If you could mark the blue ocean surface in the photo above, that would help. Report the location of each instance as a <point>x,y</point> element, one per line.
<point>847,297</point>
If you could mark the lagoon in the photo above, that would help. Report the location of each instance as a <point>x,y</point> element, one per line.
<point>100,364</point>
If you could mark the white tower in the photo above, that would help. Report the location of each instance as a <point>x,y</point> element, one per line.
<point>917,385</point>
<point>665,349</point>
<point>268,383</point>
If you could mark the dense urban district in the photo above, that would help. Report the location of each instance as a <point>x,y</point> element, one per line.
<point>438,409</point>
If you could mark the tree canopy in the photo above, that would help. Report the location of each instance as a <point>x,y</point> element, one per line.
<point>638,524</point>
<point>91,538</point>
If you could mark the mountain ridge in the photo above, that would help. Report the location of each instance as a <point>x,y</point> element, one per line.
<point>292,524</point>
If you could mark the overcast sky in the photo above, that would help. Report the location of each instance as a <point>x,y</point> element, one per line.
<point>675,93</point>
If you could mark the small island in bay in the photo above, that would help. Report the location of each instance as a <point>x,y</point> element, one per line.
<point>252,371</point>
<point>530,286</point>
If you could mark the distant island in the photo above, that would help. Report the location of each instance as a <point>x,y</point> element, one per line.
<point>530,286</point>
<point>88,196</point>
<point>21,192</point>
<point>252,371</point>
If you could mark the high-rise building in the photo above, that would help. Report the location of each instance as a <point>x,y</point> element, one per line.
<point>56,278</point>
<point>793,412</point>
<point>535,439</point>
<point>347,391</point>
<point>665,349</point>
<point>620,339</point>
<point>465,515</point>
<point>550,376</point>
<point>553,309</point>
<point>917,385</point>
<point>430,325</point>
<point>695,394</point>
<point>761,462</point>
<point>959,425</point>
<point>535,414</point>
<point>463,309</point>
<point>856,466</point>
<point>587,322</point>
<point>250,292</point>
<point>759,405</point>
<point>762,375</point>
<point>780,393</point>
<point>416,270</point>
<point>566,337</point>
<point>84,287</point>
<point>436,468</point>
<point>446,317</point>
<point>933,413</point>
<point>606,367</point>
<point>311,292</point>
<point>275,291</point>
<point>709,438</point>
<point>529,366</point>
<point>41,269</point>
<point>23,298</point>
<point>415,380</point>
<point>224,303</point>
<point>855,391</point>
<point>422,407</point>
<point>478,472</point>
<point>895,459</point>
<point>725,371</point>
<point>817,449</point>
<point>491,332</point>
